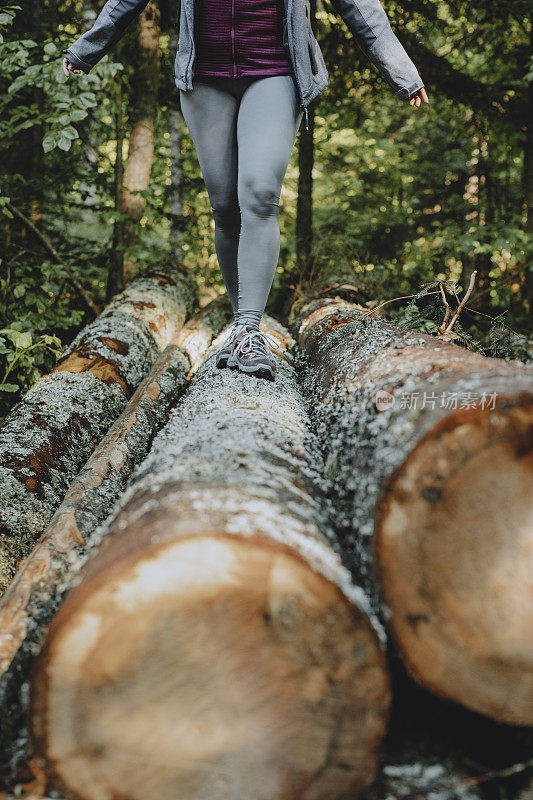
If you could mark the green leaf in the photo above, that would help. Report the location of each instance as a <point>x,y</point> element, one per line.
<point>19,290</point>
<point>78,114</point>
<point>17,84</point>
<point>49,142</point>
<point>50,48</point>
<point>9,387</point>
<point>64,141</point>
<point>21,339</point>
<point>70,132</point>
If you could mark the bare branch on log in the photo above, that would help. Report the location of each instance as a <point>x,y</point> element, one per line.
<point>461,304</point>
<point>447,306</point>
<point>375,309</point>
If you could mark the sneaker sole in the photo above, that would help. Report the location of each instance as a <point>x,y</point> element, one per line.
<point>259,371</point>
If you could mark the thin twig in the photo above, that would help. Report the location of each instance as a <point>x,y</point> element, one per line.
<point>501,773</point>
<point>497,317</point>
<point>462,303</point>
<point>392,300</point>
<point>442,327</point>
<point>53,252</point>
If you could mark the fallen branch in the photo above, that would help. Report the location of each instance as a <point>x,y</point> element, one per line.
<point>373,310</point>
<point>461,305</point>
<point>447,306</point>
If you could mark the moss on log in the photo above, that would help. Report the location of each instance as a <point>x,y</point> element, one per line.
<point>42,579</point>
<point>214,645</point>
<point>48,436</point>
<point>432,498</point>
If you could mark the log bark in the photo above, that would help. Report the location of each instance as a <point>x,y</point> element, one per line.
<point>433,502</point>
<point>49,435</point>
<point>214,645</point>
<point>42,579</point>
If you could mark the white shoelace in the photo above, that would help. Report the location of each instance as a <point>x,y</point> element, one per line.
<point>256,343</point>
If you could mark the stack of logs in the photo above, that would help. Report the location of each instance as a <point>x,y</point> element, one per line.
<point>243,571</point>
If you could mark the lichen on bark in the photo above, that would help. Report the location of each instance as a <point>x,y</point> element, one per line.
<point>48,436</point>
<point>345,358</point>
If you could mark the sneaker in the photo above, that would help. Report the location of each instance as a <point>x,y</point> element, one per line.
<point>251,353</point>
<point>225,351</point>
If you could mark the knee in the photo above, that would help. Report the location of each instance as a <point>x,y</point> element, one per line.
<point>227,215</point>
<point>258,197</point>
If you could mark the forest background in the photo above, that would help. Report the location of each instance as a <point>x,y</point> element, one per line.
<point>99,177</point>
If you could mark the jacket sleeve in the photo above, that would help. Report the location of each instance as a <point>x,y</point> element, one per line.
<point>108,28</point>
<point>370,26</point>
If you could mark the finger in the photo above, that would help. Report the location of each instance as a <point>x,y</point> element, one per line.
<point>417,101</point>
<point>76,71</point>
<point>423,95</point>
<point>65,67</point>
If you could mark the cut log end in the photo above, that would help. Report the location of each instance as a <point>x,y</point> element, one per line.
<point>455,554</point>
<point>213,666</point>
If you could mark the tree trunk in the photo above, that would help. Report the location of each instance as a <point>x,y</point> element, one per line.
<point>115,276</point>
<point>141,144</point>
<point>49,435</point>
<point>38,587</point>
<point>429,451</point>
<point>37,131</point>
<point>528,176</point>
<point>215,642</point>
<point>304,206</point>
<point>176,126</point>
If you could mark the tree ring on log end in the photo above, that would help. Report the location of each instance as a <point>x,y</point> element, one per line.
<point>454,553</point>
<point>212,666</point>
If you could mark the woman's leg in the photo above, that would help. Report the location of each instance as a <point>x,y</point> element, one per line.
<point>210,113</point>
<point>267,124</point>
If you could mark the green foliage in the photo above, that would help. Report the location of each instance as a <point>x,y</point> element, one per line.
<point>36,316</point>
<point>403,199</point>
<point>27,66</point>
<point>46,122</point>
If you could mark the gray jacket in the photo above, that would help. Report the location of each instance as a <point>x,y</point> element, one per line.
<point>365,19</point>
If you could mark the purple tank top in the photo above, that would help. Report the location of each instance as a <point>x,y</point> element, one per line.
<point>240,37</point>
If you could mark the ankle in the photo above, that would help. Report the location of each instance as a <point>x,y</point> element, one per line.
<point>249,317</point>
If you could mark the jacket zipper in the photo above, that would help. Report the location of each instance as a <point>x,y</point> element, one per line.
<point>188,75</point>
<point>233,37</point>
<point>302,105</point>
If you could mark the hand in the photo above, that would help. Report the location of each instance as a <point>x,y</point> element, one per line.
<point>68,67</point>
<point>418,97</point>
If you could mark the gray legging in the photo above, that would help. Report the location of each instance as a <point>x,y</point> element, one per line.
<point>243,130</point>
